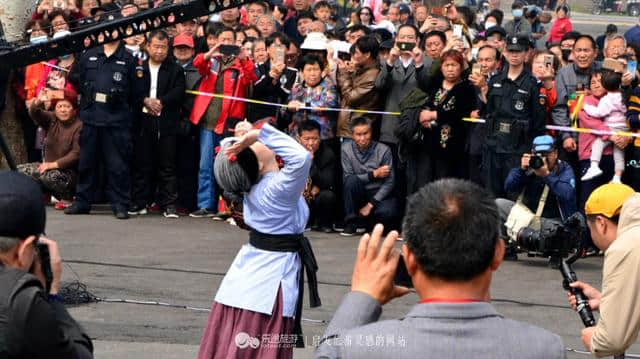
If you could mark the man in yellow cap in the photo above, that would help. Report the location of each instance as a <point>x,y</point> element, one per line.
<point>613,216</point>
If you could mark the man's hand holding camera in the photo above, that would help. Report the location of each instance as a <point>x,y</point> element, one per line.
<point>276,71</point>
<point>56,265</point>
<point>394,54</point>
<point>540,172</point>
<point>594,303</point>
<point>375,269</point>
<point>346,66</point>
<point>590,292</point>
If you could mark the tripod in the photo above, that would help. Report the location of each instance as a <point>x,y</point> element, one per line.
<point>4,148</point>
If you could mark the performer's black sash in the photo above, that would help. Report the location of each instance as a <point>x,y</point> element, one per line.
<point>300,244</point>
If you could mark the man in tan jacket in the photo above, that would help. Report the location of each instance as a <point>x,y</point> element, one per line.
<point>613,216</point>
<point>356,81</point>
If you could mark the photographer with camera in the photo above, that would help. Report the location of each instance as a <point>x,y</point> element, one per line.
<point>451,268</point>
<point>613,217</point>
<point>546,186</point>
<point>33,323</point>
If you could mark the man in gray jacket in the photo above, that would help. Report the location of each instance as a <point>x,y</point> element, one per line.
<point>403,71</point>
<point>570,80</point>
<point>368,178</point>
<point>451,268</point>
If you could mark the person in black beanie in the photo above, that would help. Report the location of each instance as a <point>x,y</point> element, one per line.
<point>33,323</point>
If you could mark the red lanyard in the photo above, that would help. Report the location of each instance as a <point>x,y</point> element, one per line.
<point>449,300</point>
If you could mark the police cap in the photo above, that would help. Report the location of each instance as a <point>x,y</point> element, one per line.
<point>495,30</point>
<point>518,42</point>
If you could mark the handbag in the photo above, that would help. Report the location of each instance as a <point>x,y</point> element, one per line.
<point>521,216</point>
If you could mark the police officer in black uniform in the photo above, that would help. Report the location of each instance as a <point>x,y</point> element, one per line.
<point>105,78</point>
<point>514,115</point>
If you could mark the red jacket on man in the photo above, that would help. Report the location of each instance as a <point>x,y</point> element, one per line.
<point>237,79</point>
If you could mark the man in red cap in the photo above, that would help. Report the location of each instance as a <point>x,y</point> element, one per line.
<point>188,151</point>
<point>183,48</point>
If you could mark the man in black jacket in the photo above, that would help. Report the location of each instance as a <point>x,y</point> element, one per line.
<point>33,323</point>
<point>163,85</point>
<point>321,191</point>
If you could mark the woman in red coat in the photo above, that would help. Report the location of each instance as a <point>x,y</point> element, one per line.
<point>561,26</point>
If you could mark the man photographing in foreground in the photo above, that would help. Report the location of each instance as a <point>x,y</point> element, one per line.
<point>33,324</point>
<point>613,217</point>
<point>452,247</point>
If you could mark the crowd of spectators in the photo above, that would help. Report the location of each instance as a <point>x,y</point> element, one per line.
<point>406,78</point>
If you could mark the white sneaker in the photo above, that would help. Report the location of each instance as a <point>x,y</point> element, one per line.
<point>593,172</point>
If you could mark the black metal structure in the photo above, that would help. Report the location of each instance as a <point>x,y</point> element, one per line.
<point>14,55</point>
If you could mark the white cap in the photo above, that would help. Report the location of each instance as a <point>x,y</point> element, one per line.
<point>387,25</point>
<point>340,46</point>
<point>314,41</point>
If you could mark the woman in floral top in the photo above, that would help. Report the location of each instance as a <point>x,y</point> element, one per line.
<point>314,91</point>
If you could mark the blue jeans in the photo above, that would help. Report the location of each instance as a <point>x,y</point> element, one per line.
<point>209,140</point>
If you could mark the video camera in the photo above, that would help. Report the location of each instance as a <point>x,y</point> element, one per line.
<point>553,239</point>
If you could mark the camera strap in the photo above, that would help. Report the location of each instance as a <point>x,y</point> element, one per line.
<point>543,200</point>
<point>541,203</point>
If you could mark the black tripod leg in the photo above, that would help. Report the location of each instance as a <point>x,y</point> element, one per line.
<point>4,148</point>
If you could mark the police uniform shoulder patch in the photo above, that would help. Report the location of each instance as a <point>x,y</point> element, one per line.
<point>542,100</point>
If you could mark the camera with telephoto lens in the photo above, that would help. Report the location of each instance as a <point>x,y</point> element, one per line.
<point>554,239</point>
<point>536,161</point>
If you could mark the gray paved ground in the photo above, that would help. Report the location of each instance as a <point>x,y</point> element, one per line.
<point>177,260</point>
<point>180,259</point>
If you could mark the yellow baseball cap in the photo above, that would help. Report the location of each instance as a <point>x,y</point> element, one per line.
<point>608,199</point>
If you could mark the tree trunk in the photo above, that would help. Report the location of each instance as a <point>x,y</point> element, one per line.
<point>14,16</point>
